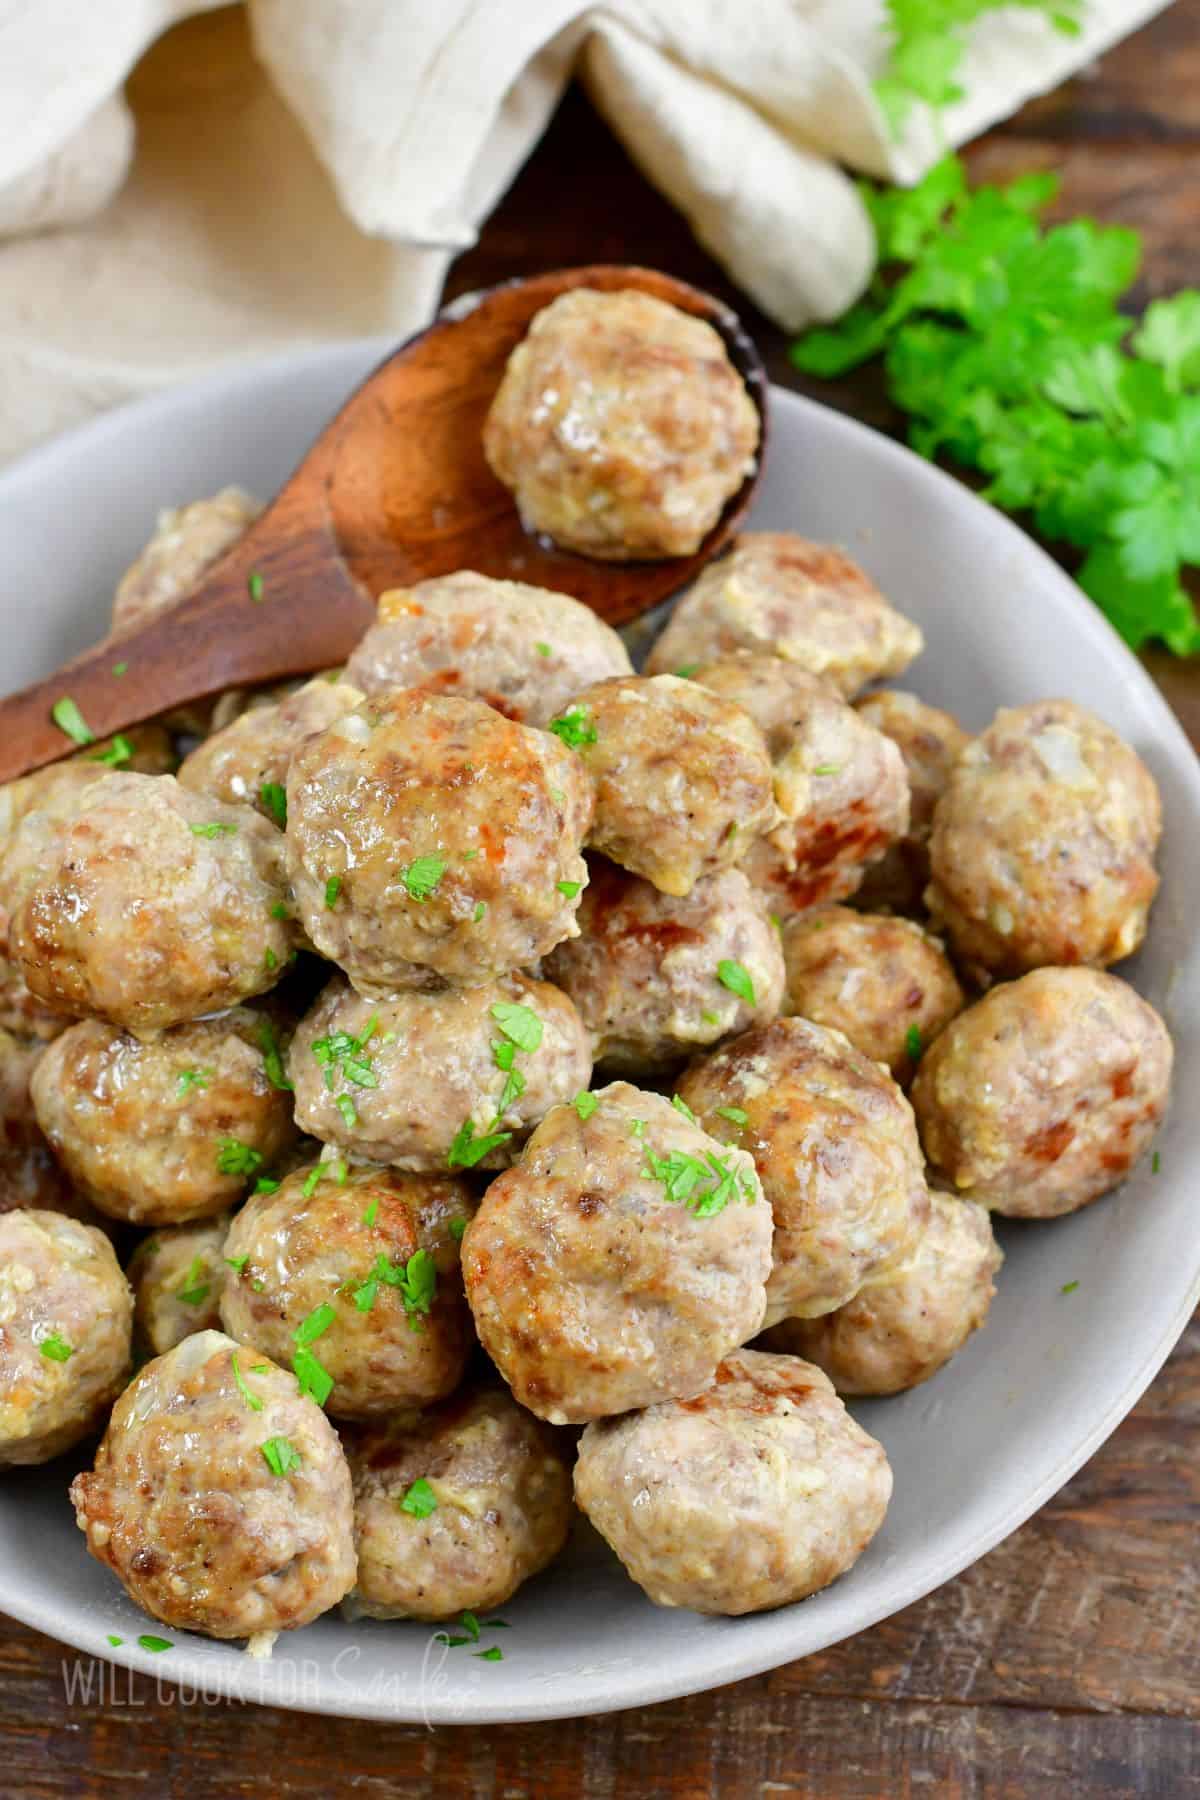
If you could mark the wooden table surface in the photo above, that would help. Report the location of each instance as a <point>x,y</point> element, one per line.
<point>1065,1663</point>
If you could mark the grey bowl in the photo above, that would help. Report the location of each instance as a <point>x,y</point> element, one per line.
<point>979,1448</point>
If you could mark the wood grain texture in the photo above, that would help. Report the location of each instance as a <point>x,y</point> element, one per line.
<point>1062,1664</point>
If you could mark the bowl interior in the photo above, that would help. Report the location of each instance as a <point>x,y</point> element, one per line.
<point>977,1449</point>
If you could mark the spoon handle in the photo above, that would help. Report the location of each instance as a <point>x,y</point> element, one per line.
<point>280,602</point>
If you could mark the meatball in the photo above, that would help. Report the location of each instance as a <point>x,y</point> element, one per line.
<point>805,602</point>
<point>758,1492</point>
<point>177,1276</point>
<point>655,977</point>
<point>455,1507</point>
<point>836,1150</point>
<point>187,541</point>
<point>682,777</point>
<point>931,742</point>
<point>29,1175</point>
<point>157,906</point>
<point>159,1133</point>
<point>220,1497</point>
<point>364,1264</point>
<point>619,1260</point>
<point>1042,1096</point>
<point>424,1078</point>
<point>65,1319</point>
<point>34,815</point>
<point>432,841</point>
<point>248,759</point>
<point>884,982</point>
<point>902,1329</point>
<point>1043,844</point>
<point>621,426</point>
<point>524,650</point>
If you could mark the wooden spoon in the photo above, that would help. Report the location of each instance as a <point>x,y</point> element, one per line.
<point>394,490</point>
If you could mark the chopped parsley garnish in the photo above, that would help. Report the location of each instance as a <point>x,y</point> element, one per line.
<point>371,1211</point>
<point>458,1229</point>
<point>736,977</point>
<point>121,668</point>
<point>543,650</point>
<point>420,1499</point>
<point>734,1114</point>
<point>215,828</point>
<point>333,888</point>
<point>316,1324</point>
<point>469,855</point>
<point>238,1263</point>
<point>114,1640</point>
<point>585,1104</point>
<point>681,1106</point>
<point>346,1107</point>
<point>520,1023</point>
<point>279,910</point>
<point>828,769</point>
<point>575,728</point>
<point>273,795</point>
<point>480,909</point>
<point>116,754</point>
<point>148,1642</point>
<point>193,1078</point>
<point>252,1400</point>
<point>494,1654</point>
<point>638,1128</point>
<point>710,1018</point>
<point>281,1455</point>
<point>470,1625</point>
<point>415,1281</point>
<point>55,1348</point>
<point>270,960</point>
<point>1069,1287</point>
<point>71,722</point>
<point>340,1050</point>
<point>704,1185</point>
<point>467,1149</point>
<point>1155,1163</point>
<point>254,584</point>
<point>266,1184</point>
<point>513,1088</point>
<point>236,1158</point>
<point>268,1043</point>
<point>422,876</point>
<point>912,1043</point>
<point>195,1289</point>
<point>687,671</point>
<point>312,1375</point>
<point>569,888</point>
<point>312,1182</point>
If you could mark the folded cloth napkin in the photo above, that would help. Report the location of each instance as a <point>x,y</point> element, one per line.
<point>299,170</point>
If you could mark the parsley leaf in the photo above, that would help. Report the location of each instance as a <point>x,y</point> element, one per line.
<point>519,1023</point>
<point>116,754</point>
<point>281,1455</point>
<point>585,1104</point>
<point>333,888</point>
<point>268,1043</point>
<point>55,1348</point>
<point>236,1158</point>
<point>575,728</point>
<point>71,722</point>
<point>420,1500</point>
<point>214,828</point>
<point>704,1185</point>
<point>192,1078</point>
<point>253,1401</point>
<point>912,1043</point>
<point>928,39</point>
<point>466,1150</point>
<point>273,796</point>
<point>194,1290</point>
<point>422,876</point>
<point>736,977</point>
<point>313,1377</point>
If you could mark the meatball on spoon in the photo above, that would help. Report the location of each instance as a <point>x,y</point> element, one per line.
<point>395,490</point>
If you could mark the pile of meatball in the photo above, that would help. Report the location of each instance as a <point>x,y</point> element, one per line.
<point>485,1082</point>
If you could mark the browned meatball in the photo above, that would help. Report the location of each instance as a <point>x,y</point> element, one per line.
<point>65,1312</point>
<point>619,1260</point>
<point>29,1175</point>
<point>1043,1095</point>
<point>805,602</point>
<point>177,1276</point>
<point>187,540</point>
<point>524,650</point>
<point>455,1507</point>
<point>621,426</point>
<point>159,1133</point>
<point>363,1265</point>
<point>756,1493</point>
<point>836,1150</point>
<point>424,1078</point>
<point>34,814</point>
<point>901,1329</point>
<point>682,778</point>
<point>1043,843</point>
<point>840,785</point>
<point>884,982</point>
<point>220,1496</point>
<point>931,742</point>
<point>656,977</point>
<point>157,906</point>
<point>432,841</point>
<point>248,760</point>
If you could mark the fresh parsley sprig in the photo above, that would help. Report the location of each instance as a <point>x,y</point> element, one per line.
<point>927,40</point>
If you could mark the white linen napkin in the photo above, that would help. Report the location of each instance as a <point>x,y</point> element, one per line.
<point>299,170</point>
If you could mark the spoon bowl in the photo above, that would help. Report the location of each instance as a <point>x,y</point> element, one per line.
<point>395,490</point>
